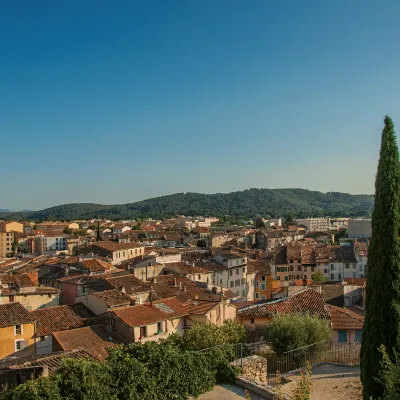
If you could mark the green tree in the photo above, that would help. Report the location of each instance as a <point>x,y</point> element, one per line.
<point>67,231</point>
<point>38,389</point>
<point>390,375</point>
<point>98,234</point>
<point>382,318</point>
<point>319,276</point>
<point>292,331</point>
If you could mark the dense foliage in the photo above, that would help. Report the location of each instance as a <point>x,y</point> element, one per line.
<point>174,368</point>
<point>293,331</point>
<point>389,376</point>
<point>319,276</point>
<point>247,203</point>
<point>382,318</point>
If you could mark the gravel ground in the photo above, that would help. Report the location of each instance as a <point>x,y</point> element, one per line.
<point>227,392</point>
<point>332,382</point>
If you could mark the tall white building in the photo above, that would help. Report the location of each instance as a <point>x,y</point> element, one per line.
<point>315,224</point>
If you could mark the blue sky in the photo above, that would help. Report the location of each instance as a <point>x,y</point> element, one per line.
<point>117,101</point>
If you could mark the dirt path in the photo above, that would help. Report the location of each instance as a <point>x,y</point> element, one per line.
<point>332,382</point>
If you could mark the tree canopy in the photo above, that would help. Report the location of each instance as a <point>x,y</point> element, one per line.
<point>247,203</point>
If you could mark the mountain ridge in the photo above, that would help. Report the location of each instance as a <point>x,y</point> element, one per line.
<point>246,203</point>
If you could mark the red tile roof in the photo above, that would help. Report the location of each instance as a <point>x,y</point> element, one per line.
<point>342,318</point>
<point>60,318</point>
<point>93,339</point>
<point>113,298</point>
<point>113,246</point>
<point>306,301</point>
<point>14,314</point>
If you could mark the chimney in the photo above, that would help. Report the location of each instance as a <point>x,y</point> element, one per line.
<point>151,299</point>
<point>66,270</point>
<point>180,285</point>
<point>123,290</point>
<point>196,296</point>
<point>175,283</point>
<point>184,288</point>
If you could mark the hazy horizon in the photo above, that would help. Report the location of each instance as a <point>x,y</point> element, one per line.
<point>114,103</point>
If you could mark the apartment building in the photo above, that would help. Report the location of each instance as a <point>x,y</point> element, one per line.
<point>315,224</point>
<point>117,252</point>
<point>6,243</point>
<point>55,228</point>
<point>51,244</point>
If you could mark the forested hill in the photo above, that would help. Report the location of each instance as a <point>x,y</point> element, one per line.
<point>247,203</point>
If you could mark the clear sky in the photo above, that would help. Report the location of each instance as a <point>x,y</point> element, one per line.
<point>118,101</point>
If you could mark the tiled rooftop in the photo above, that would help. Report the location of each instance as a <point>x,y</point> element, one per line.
<point>306,301</point>
<point>14,314</point>
<point>60,318</point>
<point>342,318</point>
<point>94,340</point>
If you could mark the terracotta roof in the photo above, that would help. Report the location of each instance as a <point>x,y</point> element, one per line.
<point>307,255</point>
<point>94,340</point>
<point>19,280</point>
<point>281,256</point>
<point>306,301</point>
<point>113,246</point>
<point>342,318</point>
<point>258,266</point>
<point>173,238</point>
<point>96,265</point>
<point>113,298</point>
<point>60,318</point>
<point>14,314</point>
<point>166,286</point>
<point>53,361</point>
<point>294,251</point>
<point>185,269</point>
<point>361,248</point>
<point>162,310</point>
<point>356,281</point>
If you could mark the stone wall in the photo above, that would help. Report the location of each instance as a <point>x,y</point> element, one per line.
<point>254,368</point>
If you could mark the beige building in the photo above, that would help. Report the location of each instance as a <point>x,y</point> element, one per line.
<point>315,224</point>
<point>6,243</point>
<point>20,288</point>
<point>11,227</point>
<point>159,319</point>
<point>117,253</point>
<point>55,228</point>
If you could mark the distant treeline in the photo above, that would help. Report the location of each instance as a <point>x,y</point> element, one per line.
<point>270,203</point>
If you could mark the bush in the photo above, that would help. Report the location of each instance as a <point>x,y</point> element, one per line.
<point>292,331</point>
<point>319,276</point>
<point>174,368</point>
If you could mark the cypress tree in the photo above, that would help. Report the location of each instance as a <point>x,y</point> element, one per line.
<point>382,318</point>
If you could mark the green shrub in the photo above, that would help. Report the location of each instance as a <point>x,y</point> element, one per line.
<point>292,331</point>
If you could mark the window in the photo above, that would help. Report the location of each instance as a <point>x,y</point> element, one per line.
<point>252,320</point>
<point>244,270</point>
<point>305,276</point>
<point>143,331</point>
<point>159,327</point>
<point>11,298</point>
<point>42,338</point>
<point>332,277</point>
<point>279,278</point>
<point>358,335</point>
<point>20,344</point>
<point>332,267</point>
<point>286,278</point>
<point>18,329</point>
<point>342,336</point>
<point>232,283</point>
<point>354,265</point>
<point>347,266</point>
<point>263,278</point>
<point>220,282</point>
<point>262,297</point>
<point>263,286</point>
<point>230,272</point>
<point>198,276</point>
<point>237,271</point>
<point>243,282</point>
<point>340,277</point>
<point>361,268</point>
<point>257,295</point>
<point>298,268</point>
<point>237,262</point>
<point>237,282</point>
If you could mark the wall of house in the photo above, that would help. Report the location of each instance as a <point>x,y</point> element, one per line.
<point>247,321</point>
<point>126,254</point>
<point>93,303</point>
<point>14,227</point>
<point>123,329</point>
<point>34,301</point>
<point>351,335</point>
<point>45,345</point>
<point>8,338</point>
<point>69,292</point>
<point>144,273</point>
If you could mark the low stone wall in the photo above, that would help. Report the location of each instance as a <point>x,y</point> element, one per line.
<point>253,368</point>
